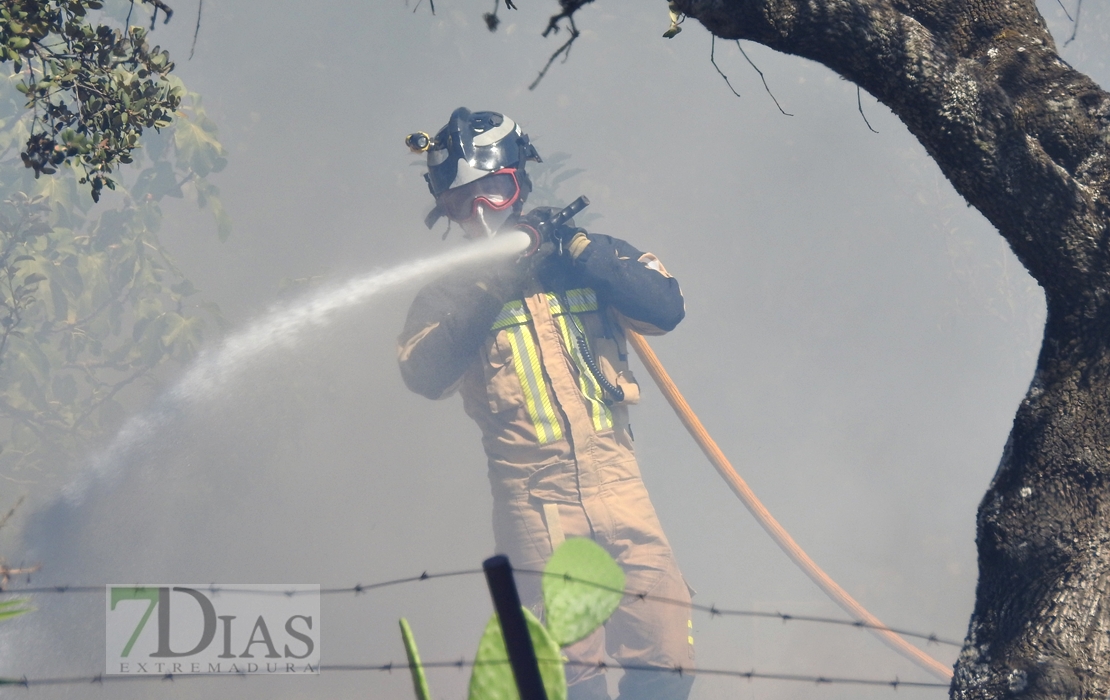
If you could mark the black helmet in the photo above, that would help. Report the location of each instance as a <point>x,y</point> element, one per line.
<point>469,147</point>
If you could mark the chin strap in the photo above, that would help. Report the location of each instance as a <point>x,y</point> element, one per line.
<point>434,216</point>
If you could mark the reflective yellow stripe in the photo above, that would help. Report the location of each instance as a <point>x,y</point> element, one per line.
<point>537,402</point>
<point>512,314</point>
<point>600,414</point>
<point>514,319</point>
<point>579,300</point>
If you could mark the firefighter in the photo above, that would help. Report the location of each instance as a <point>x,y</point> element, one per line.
<point>536,348</point>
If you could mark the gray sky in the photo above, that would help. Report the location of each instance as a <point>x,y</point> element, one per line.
<point>857,340</point>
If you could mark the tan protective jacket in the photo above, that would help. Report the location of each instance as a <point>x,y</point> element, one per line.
<point>561,459</point>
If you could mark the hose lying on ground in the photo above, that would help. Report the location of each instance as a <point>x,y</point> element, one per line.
<point>781,537</point>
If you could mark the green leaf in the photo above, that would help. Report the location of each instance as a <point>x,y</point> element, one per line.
<point>582,586</point>
<point>492,678</point>
<point>185,288</point>
<point>197,147</point>
<point>419,680</point>
<point>181,336</point>
<point>14,608</point>
<point>158,181</point>
<point>223,221</point>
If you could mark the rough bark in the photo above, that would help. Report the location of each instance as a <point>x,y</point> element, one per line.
<point>1025,139</point>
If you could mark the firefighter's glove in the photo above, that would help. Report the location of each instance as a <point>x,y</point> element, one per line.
<point>576,244</point>
<point>539,220</point>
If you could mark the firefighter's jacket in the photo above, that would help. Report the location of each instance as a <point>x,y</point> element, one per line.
<point>518,363</point>
<point>561,462</point>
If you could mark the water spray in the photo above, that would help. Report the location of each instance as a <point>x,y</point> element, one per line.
<point>283,326</point>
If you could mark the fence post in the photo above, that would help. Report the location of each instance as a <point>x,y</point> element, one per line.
<point>518,641</point>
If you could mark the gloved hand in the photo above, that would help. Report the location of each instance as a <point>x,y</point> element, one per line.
<point>560,237</point>
<point>576,244</point>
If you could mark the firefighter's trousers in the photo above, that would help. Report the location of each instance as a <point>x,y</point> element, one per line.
<point>619,516</point>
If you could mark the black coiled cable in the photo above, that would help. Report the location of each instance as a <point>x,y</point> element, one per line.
<point>615,391</point>
<point>588,357</point>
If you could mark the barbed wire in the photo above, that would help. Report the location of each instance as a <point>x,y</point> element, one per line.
<point>714,611</point>
<point>214,588</point>
<point>462,663</point>
<point>360,588</point>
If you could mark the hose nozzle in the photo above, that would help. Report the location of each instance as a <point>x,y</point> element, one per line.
<point>546,230</point>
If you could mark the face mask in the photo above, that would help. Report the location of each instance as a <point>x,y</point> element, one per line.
<point>485,223</point>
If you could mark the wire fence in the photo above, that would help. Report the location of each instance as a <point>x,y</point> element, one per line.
<point>215,588</point>
<point>460,664</point>
<point>360,588</point>
<point>714,611</point>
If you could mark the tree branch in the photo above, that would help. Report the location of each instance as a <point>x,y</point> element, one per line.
<point>764,79</point>
<point>975,100</point>
<point>563,50</point>
<point>713,60</point>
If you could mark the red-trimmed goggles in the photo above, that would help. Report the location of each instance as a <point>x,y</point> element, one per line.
<point>498,192</point>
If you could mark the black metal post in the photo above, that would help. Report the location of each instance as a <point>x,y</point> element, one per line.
<point>518,642</point>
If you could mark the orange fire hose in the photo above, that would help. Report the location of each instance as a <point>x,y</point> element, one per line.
<point>772,526</point>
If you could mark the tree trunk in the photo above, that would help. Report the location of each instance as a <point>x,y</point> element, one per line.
<point>1026,140</point>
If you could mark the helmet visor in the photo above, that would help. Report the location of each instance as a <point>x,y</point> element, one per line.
<point>498,191</point>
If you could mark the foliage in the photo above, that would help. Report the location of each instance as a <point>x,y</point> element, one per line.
<point>13,608</point>
<point>582,586</point>
<point>548,179</point>
<point>419,680</point>
<point>92,88</point>
<point>492,678</point>
<point>91,303</point>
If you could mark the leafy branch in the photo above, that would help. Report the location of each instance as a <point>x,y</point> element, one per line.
<point>91,89</point>
<point>92,305</point>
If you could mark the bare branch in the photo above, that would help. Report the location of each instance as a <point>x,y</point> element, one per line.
<point>1066,13</point>
<point>491,19</point>
<point>159,5</point>
<point>564,49</point>
<point>569,8</point>
<point>713,60</point>
<point>765,86</point>
<point>859,104</point>
<point>1074,22</point>
<point>196,32</point>
<point>6,518</point>
<point>6,573</point>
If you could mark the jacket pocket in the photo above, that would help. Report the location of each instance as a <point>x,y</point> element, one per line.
<point>503,389</point>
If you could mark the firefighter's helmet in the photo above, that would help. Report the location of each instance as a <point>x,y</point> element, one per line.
<point>477,157</point>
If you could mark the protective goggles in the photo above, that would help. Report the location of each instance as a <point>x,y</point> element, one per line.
<point>498,192</point>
